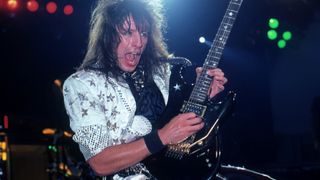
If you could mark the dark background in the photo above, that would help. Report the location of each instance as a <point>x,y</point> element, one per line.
<point>277,111</point>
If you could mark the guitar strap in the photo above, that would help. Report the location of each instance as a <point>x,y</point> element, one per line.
<point>148,97</point>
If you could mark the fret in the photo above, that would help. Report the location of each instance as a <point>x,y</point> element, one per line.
<point>201,93</point>
<point>230,19</point>
<point>234,6</point>
<point>207,83</point>
<point>223,36</point>
<point>231,13</point>
<point>217,57</point>
<point>214,62</point>
<point>200,96</point>
<point>196,100</point>
<point>227,24</point>
<point>221,30</point>
<point>234,11</point>
<point>234,3</point>
<point>212,58</point>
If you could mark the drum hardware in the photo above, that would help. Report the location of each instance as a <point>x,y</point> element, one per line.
<point>61,157</point>
<point>228,172</point>
<point>60,164</point>
<point>4,157</point>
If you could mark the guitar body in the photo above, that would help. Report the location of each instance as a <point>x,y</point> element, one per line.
<point>204,161</point>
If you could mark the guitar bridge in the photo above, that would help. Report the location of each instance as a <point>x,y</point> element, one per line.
<point>178,151</point>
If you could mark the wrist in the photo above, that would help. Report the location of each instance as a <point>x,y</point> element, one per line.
<point>153,142</point>
<point>162,137</point>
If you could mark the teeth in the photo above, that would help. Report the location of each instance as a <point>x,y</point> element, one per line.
<point>131,56</point>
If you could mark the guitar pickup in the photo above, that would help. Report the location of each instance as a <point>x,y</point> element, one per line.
<point>199,109</point>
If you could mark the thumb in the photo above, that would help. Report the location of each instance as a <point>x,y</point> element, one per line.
<point>198,71</point>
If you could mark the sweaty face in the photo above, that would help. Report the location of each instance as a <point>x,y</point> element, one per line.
<point>131,46</point>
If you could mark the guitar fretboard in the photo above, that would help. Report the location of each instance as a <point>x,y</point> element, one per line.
<point>200,90</point>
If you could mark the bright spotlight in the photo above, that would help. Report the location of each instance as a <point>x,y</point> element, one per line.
<point>32,6</point>
<point>68,9</point>
<point>51,7</point>
<point>12,4</point>
<point>202,39</point>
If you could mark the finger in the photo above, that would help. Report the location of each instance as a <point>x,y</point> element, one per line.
<point>199,70</point>
<point>193,121</point>
<point>220,87</point>
<point>188,115</point>
<point>215,72</point>
<point>194,128</point>
<point>219,79</point>
<point>225,80</point>
<point>216,90</point>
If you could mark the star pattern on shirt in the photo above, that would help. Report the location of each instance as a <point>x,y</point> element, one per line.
<point>82,98</point>
<point>92,83</point>
<point>122,141</point>
<point>110,98</point>
<point>75,76</point>
<point>112,126</point>
<point>66,90</point>
<point>101,95</point>
<point>84,112</point>
<point>93,104</point>
<point>103,108</point>
<point>114,112</point>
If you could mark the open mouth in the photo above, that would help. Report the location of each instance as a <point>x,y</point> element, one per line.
<point>132,58</point>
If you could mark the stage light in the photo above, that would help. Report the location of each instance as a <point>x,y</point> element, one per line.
<point>272,34</point>
<point>202,40</point>
<point>68,9</point>
<point>282,44</point>
<point>49,131</point>
<point>12,4</point>
<point>273,23</point>
<point>32,6</point>
<point>287,35</point>
<point>51,7</point>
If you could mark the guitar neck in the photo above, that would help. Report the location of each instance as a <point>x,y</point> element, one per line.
<point>200,90</point>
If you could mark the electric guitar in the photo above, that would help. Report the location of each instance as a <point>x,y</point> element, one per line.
<point>198,156</point>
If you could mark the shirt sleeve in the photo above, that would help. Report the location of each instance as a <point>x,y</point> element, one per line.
<point>87,114</point>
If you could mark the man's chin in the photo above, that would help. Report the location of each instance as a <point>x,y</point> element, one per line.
<point>129,69</point>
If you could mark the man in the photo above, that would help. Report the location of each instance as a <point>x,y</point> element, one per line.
<point>122,87</point>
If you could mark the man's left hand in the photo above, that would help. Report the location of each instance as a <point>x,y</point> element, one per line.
<point>218,82</point>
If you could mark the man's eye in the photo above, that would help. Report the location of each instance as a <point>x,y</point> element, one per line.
<point>144,34</point>
<point>127,33</point>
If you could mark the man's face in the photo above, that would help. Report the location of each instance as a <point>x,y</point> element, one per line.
<point>131,46</point>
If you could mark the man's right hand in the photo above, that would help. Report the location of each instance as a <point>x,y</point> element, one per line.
<point>180,128</point>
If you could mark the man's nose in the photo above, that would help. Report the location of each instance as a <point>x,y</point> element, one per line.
<point>137,41</point>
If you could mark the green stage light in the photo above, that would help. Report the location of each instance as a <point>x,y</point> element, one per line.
<point>281,44</point>
<point>287,35</point>
<point>272,34</point>
<point>273,23</point>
